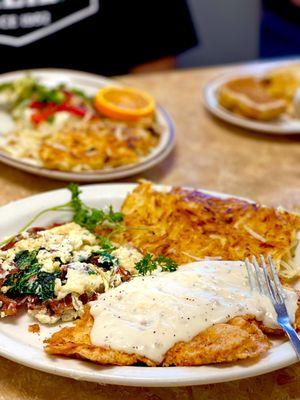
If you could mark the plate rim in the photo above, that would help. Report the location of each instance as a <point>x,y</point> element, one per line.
<point>159,376</point>
<point>255,68</point>
<point>98,175</point>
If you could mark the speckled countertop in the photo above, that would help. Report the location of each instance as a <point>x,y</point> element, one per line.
<point>208,154</point>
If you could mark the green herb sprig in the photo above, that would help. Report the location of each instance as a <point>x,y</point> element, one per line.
<point>106,244</point>
<point>166,263</point>
<point>148,264</point>
<point>89,217</point>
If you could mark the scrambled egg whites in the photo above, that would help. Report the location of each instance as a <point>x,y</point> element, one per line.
<point>81,278</point>
<point>74,262</point>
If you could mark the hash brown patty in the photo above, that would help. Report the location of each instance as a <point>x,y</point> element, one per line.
<point>191,225</point>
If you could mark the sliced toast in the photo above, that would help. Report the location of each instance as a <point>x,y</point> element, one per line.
<point>250,97</point>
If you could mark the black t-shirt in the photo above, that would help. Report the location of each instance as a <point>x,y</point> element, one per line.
<point>283,8</point>
<point>280,29</point>
<point>101,36</point>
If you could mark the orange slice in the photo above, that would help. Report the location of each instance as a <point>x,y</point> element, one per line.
<point>124,103</point>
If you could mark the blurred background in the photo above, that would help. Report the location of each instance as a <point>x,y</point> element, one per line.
<point>228,31</point>
<point>240,30</point>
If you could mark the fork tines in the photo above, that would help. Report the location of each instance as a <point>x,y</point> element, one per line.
<point>263,279</point>
<point>266,281</point>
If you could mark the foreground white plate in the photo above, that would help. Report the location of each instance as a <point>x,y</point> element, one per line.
<point>17,344</point>
<point>90,84</point>
<point>281,126</point>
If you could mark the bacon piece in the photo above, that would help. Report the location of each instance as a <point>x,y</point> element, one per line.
<point>11,243</point>
<point>63,272</point>
<point>84,298</point>
<point>126,275</point>
<point>29,300</point>
<point>58,306</point>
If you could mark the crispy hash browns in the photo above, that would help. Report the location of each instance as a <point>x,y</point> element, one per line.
<point>97,145</point>
<point>238,339</point>
<point>190,225</point>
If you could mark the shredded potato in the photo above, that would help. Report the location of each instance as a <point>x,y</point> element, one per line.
<point>189,225</point>
<point>83,146</point>
<point>97,145</point>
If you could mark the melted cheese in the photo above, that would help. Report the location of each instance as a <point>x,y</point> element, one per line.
<point>149,315</point>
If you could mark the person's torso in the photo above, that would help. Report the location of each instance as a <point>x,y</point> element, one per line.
<point>103,36</point>
<point>58,33</point>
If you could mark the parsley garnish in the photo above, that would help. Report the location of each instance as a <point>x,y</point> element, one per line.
<point>89,217</point>
<point>166,264</point>
<point>106,244</point>
<point>148,264</point>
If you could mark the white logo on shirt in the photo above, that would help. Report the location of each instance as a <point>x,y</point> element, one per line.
<point>14,4</point>
<point>40,21</point>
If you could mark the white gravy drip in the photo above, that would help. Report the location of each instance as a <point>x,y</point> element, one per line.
<point>149,315</point>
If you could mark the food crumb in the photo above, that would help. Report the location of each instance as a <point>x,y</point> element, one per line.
<point>34,328</point>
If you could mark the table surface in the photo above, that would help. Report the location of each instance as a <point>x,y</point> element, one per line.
<point>209,154</point>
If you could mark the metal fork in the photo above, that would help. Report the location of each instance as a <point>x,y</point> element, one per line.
<point>268,283</point>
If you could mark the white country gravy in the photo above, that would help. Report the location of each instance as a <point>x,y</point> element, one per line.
<point>148,315</point>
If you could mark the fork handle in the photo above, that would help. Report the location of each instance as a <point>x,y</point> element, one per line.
<point>293,336</point>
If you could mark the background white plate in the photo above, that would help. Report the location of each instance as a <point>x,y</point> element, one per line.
<point>18,345</point>
<point>281,126</point>
<point>91,83</point>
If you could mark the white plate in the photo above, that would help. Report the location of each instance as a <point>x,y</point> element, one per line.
<point>281,126</point>
<point>90,83</point>
<point>18,345</point>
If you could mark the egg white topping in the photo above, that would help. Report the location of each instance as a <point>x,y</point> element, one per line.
<point>66,253</point>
